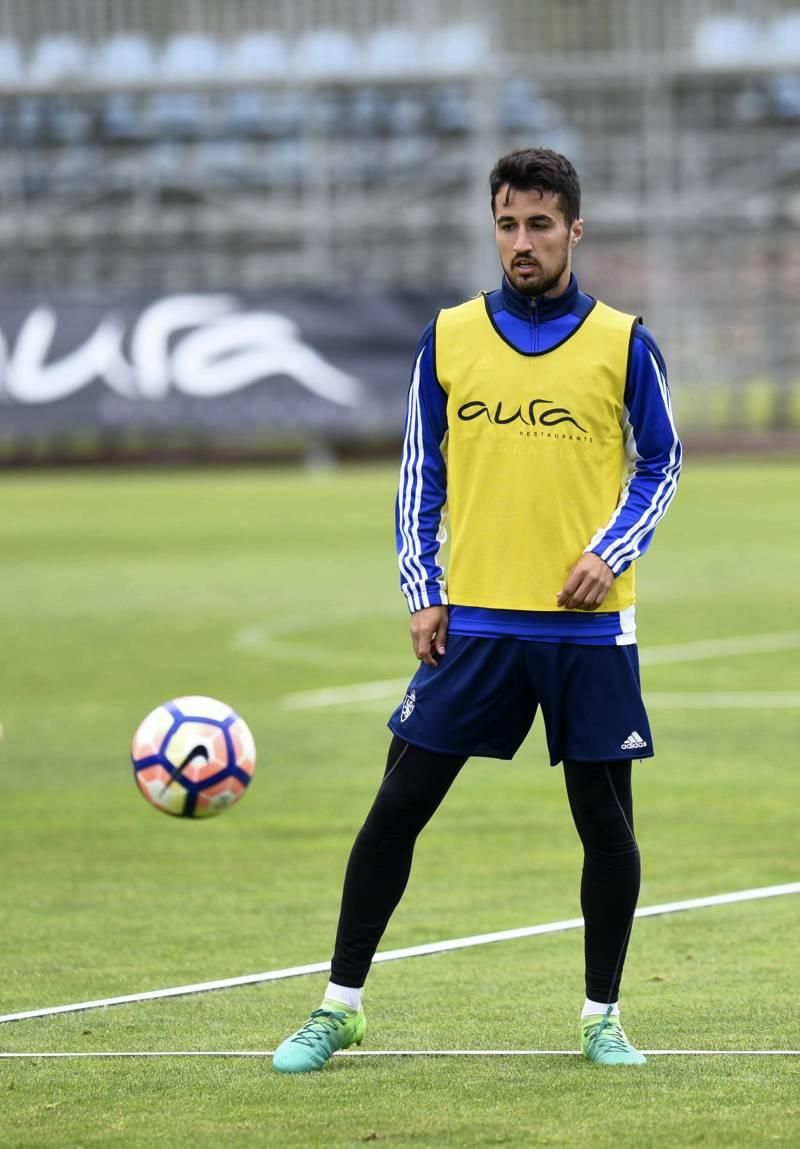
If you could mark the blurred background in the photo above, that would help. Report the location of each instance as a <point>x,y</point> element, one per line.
<point>223,225</point>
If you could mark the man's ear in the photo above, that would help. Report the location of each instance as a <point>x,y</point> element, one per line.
<point>576,233</point>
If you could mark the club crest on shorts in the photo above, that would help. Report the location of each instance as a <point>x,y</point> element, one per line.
<point>409,702</point>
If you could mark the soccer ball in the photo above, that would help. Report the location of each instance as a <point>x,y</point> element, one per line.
<point>193,757</point>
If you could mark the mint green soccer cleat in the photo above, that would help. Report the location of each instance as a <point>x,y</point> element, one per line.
<point>604,1042</point>
<point>333,1026</point>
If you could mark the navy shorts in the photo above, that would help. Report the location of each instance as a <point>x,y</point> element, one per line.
<point>483,697</point>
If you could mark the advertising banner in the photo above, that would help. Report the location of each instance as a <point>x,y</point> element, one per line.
<point>253,369</point>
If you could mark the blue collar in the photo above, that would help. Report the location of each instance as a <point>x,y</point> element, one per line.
<point>548,306</point>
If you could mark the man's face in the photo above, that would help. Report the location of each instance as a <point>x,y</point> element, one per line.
<point>534,241</point>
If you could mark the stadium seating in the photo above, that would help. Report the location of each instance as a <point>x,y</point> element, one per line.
<point>11,67</point>
<point>285,112</point>
<point>405,113</point>
<point>28,120</point>
<point>728,40</point>
<point>459,48</point>
<point>166,164</point>
<point>178,115</point>
<point>58,59</point>
<point>325,113</point>
<point>190,57</point>
<point>408,154</point>
<point>195,90</point>
<point>67,123</point>
<point>148,97</point>
<point>221,163</point>
<point>784,95</point>
<point>392,52</point>
<point>126,58</point>
<point>71,169</point>
<point>245,113</point>
<point>326,52</point>
<point>368,110</point>
<point>121,119</point>
<point>288,164</point>
<point>257,56</point>
<point>452,111</point>
<point>782,41</point>
<point>520,106</point>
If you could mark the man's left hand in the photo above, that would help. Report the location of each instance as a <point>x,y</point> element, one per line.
<point>588,584</point>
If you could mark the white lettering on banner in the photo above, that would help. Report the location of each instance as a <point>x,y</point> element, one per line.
<point>158,324</point>
<point>28,380</point>
<point>199,345</point>
<point>231,353</point>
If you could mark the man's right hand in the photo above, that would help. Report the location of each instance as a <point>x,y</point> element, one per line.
<point>429,633</point>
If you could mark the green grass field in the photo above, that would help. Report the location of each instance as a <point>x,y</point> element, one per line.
<point>120,591</point>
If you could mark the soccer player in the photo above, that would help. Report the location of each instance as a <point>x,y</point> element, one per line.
<point>539,421</point>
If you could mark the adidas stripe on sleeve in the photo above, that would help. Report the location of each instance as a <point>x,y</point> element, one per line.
<point>420,510</point>
<point>654,455</point>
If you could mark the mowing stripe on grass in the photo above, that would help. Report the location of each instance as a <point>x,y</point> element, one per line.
<point>724,700</point>
<point>413,1053</point>
<point>706,648</point>
<point>662,700</point>
<point>338,695</point>
<point>409,951</point>
<point>388,688</point>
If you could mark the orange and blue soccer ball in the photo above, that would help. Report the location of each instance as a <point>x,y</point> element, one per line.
<point>193,757</point>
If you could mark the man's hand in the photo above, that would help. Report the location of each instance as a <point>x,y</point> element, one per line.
<point>588,584</point>
<point>429,633</point>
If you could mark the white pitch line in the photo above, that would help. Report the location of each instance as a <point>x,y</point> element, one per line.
<point>388,688</point>
<point>561,1052</point>
<point>407,952</point>
<point>406,1053</point>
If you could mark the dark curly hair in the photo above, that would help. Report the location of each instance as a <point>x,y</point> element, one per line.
<point>526,169</point>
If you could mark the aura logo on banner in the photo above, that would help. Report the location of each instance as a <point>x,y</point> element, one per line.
<point>200,345</point>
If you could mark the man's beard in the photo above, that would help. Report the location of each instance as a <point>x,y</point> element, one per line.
<point>541,286</point>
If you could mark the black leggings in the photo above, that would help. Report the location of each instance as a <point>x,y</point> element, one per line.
<point>413,786</point>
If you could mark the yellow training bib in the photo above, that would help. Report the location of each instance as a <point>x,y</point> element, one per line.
<point>535,455</point>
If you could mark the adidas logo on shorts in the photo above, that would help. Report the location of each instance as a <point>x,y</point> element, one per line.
<point>634,741</point>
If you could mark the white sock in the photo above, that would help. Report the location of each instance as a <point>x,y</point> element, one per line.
<point>591,1008</point>
<point>343,994</point>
